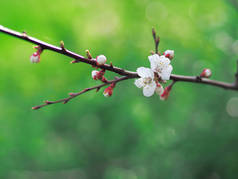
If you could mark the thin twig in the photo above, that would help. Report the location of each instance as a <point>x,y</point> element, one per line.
<point>73,95</point>
<point>156,40</point>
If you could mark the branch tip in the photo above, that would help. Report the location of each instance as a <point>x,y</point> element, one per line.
<point>48,102</point>
<point>62,45</point>
<point>153,33</point>
<point>88,54</point>
<point>156,40</point>
<point>36,107</point>
<point>74,61</point>
<point>111,65</point>
<point>71,94</point>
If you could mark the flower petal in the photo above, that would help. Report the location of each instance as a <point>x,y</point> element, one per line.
<point>166,72</point>
<point>153,61</point>
<point>139,83</point>
<point>141,72</point>
<point>149,90</point>
<point>145,72</point>
<point>164,61</point>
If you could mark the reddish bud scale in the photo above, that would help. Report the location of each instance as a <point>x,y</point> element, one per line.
<point>166,92</point>
<point>158,84</point>
<point>104,79</point>
<point>95,77</point>
<point>100,74</point>
<point>167,55</point>
<point>113,85</point>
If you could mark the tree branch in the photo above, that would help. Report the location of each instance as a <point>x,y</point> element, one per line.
<point>64,51</point>
<point>194,79</point>
<point>125,73</point>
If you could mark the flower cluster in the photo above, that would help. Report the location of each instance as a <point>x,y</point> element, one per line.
<point>99,75</point>
<point>159,71</point>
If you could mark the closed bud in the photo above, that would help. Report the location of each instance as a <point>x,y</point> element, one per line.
<point>206,73</point>
<point>88,54</point>
<point>101,60</point>
<point>159,89</point>
<point>169,54</point>
<point>98,75</point>
<point>95,74</point>
<point>108,91</point>
<point>35,57</point>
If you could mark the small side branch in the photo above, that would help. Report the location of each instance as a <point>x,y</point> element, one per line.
<point>74,95</point>
<point>156,40</point>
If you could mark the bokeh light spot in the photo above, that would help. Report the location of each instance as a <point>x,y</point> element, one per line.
<point>156,11</point>
<point>232,107</point>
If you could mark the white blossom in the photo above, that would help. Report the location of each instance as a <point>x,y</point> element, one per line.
<point>146,81</point>
<point>161,65</point>
<point>165,94</point>
<point>101,60</point>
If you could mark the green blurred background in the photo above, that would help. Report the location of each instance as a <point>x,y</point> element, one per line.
<point>192,135</point>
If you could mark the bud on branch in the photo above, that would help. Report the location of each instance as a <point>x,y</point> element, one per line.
<point>149,79</point>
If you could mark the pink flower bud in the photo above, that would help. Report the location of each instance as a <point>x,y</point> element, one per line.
<point>169,54</point>
<point>159,89</point>
<point>101,60</point>
<point>108,91</point>
<point>98,75</point>
<point>166,92</point>
<point>95,74</point>
<point>35,57</point>
<point>206,73</point>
